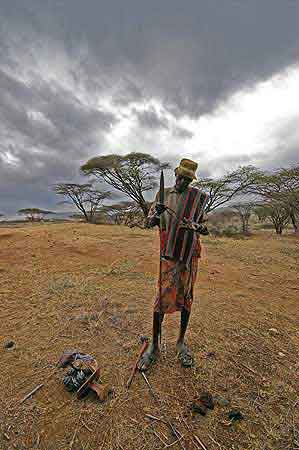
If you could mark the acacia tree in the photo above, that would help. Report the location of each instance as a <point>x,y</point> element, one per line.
<point>132,174</point>
<point>86,199</point>
<point>277,213</point>
<point>244,211</point>
<point>289,193</point>
<point>34,214</point>
<point>117,212</point>
<point>261,213</point>
<point>126,213</point>
<point>224,189</point>
<point>282,188</point>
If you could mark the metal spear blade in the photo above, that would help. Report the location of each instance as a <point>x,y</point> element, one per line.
<point>161,193</point>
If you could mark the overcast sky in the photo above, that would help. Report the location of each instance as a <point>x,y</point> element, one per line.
<point>214,80</point>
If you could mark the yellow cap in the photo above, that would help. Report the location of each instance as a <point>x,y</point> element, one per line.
<point>187,168</point>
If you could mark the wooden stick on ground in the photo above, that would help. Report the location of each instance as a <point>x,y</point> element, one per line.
<point>159,419</point>
<point>85,426</point>
<point>37,442</point>
<point>75,432</point>
<point>157,435</point>
<point>196,439</point>
<point>73,438</point>
<point>154,395</point>
<point>215,442</point>
<point>199,442</point>
<point>174,443</point>
<point>37,388</point>
<point>176,433</point>
<point>246,367</point>
<point>145,343</point>
<point>250,369</point>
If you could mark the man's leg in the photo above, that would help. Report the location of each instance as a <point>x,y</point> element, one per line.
<point>185,315</point>
<point>182,350</point>
<point>157,328</point>
<point>151,354</point>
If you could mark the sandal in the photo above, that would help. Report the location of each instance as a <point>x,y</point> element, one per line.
<point>185,357</point>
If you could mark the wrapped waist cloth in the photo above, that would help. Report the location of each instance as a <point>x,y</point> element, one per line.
<point>177,284</point>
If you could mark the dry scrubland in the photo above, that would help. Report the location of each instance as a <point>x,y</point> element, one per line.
<point>91,287</point>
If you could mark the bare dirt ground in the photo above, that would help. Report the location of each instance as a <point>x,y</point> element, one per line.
<point>65,286</point>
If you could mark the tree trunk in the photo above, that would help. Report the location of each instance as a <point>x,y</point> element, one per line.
<point>294,222</point>
<point>86,216</point>
<point>245,226</point>
<point>145,209</point>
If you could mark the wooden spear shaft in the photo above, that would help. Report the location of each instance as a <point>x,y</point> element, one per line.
<point>143,348</point>
<point>157,400</point>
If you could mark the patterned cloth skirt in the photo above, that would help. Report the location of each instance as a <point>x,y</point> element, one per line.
<point>177,285</point>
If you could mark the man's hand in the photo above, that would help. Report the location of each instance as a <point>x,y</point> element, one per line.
<point>202,229</point>
<point>160,208</point>
<point>153,221</point>
<point>192,226</point>
<point>188,225</point>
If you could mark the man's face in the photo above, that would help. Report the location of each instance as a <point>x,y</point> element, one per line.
<point>181,183</point>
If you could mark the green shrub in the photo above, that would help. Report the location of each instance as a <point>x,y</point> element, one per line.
<point>266,226</point>
<point>231,231</point>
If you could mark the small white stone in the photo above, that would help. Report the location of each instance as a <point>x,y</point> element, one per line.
<point>273,331</point>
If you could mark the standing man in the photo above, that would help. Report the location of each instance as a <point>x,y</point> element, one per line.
<point>179,218</point>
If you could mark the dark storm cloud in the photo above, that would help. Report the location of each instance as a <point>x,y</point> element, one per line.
<point>191,55</point>
<point>182,133</point>
<point>128,93</point>
<point>69,122</point>
<point>46,134</point>
<point>151,119</point>
<point>187,55</point>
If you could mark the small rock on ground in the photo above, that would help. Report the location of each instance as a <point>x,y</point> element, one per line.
<point>199,408</point>
<point>9,344</point>
<point>235,415</point>
<point>221,401</point>
<point>207,400</point>
<point>273,331</point>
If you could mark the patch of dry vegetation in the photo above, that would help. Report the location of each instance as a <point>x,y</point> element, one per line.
<point>91,287</point>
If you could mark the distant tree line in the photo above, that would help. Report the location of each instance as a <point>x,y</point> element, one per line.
<point>34,214</point>
<point>273,195</point>
<point>269,195</point>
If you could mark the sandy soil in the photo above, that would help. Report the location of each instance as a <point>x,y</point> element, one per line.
<point>91,287</point>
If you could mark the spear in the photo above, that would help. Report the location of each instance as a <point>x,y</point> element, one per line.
<point>161,202</point>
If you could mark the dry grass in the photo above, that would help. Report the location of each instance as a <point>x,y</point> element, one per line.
<point>92,287</point>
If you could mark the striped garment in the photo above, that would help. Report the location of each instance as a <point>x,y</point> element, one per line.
<point>177,243</point>
<point>181,250</point>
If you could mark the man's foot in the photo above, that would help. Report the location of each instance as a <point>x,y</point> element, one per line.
<point>184,355</point>
<point>148,358</point>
